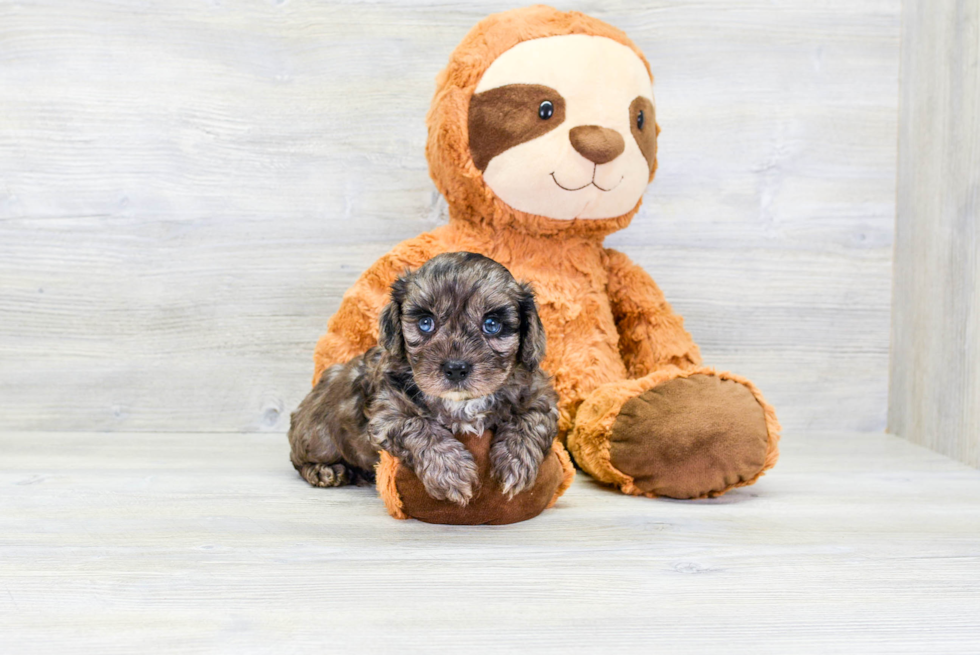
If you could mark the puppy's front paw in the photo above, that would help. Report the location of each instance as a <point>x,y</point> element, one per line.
<point>515,471</point>
<point>448,472</point>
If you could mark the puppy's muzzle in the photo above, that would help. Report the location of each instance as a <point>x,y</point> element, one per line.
<point>456,370</point>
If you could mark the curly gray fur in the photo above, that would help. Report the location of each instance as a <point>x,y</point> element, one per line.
<point>399,397</point>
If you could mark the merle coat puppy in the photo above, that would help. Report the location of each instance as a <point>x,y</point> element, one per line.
<point>459,350</point>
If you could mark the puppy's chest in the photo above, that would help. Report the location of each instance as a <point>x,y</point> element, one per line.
<point>467,416</point>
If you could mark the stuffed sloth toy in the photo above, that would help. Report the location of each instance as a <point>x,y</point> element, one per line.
<point>542,138</point>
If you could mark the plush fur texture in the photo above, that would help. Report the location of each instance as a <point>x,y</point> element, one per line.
<point>461,343</point>
<point>611,334</point>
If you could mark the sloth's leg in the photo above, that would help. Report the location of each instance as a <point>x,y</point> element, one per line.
<point>692,433</point>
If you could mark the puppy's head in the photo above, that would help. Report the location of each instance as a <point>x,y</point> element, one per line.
<point>462,323</point>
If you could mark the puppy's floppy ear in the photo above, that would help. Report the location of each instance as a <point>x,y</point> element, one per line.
<point>390,321</point>
<point>533,338</point>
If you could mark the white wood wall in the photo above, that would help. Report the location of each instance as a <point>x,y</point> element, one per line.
<point>935,373</point>
<point>187,188</point>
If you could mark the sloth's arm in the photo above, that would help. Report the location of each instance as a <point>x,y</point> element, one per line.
<point>651,335</point>
<point>354,328</point>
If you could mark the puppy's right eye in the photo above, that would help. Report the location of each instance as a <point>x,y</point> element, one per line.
<point>427,324</point>
<point>491,326</point>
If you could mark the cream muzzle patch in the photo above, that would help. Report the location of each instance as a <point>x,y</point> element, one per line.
<point>564,127</point>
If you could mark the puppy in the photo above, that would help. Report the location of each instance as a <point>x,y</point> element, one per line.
<point>458,351</point>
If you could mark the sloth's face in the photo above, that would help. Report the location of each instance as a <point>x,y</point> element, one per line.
<point>564,127</point>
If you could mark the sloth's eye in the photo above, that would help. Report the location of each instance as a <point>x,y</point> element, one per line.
<point>546,110</point>
<point>427,324</point>
<point>640,120</point>
<point>491,326</point>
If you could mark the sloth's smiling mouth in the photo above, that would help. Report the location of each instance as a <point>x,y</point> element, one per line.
<point>590,183</point>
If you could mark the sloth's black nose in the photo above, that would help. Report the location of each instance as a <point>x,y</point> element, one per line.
<point>456,370</point>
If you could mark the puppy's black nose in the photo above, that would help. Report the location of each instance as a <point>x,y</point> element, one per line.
<point>456,370</point>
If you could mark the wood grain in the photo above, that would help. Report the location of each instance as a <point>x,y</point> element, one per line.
<point>204,543</point>
<point>187,190</point>
<point>935,369</point>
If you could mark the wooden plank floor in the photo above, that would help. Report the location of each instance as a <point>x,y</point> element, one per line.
<point>210,543</point>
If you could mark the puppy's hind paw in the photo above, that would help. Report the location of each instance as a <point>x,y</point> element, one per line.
<point>326,475</point>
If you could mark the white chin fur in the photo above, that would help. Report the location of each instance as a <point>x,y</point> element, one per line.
<point>457,396</point>
<point>598,78</point>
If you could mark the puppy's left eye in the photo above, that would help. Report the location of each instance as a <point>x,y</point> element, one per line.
<point>427,324</point>
<point>491,326</point>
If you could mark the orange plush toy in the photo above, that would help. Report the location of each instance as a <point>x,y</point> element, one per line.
<point>542,138</point>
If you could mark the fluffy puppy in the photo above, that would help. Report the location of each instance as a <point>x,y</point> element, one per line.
<point>458,351</point>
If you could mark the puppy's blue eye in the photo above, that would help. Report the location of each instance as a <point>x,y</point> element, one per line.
<point>427,324</point>
<point>546,110</point>
<point>491,326</point>
<point>640,119</point>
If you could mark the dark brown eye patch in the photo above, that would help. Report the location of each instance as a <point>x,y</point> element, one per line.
<point>643,125</point>
<point>508,116</point>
